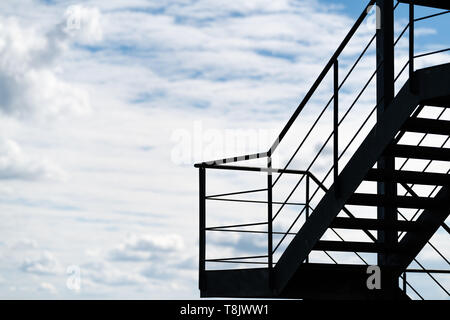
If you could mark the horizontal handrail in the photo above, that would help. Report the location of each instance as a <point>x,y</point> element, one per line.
<point>427,271</point>
<point>259,155</point>
<point>245,168</point>
<point>256,201</point>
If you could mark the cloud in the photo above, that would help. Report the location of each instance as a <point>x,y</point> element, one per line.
<point>239,243</point>
<point>24,244</point>
<point>105,273</point>
<point>163,256</point>
<point>145,247</point>
<point>30,82</point>
<point>16,165</point>
<point>48,287</point>
<point>83,24</point>
<point>45,264</point>
<point>144,69</point>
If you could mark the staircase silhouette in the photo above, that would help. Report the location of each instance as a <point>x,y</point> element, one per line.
<point>396,242</point>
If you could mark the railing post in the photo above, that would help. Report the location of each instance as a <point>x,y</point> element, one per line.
<point>307,205</point>
<point>411,48</point>
<point>202,228</point>
<point>411,40</point>
<point>269,221</point>
<point>336,126</point>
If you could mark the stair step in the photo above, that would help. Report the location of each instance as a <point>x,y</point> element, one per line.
<point>363,199</point>
<point>439,4</point>
<point>372,224</point>
<point>426,178</point>
<point>415,152</point>
<point>348,246</point>
<point>432,126</point>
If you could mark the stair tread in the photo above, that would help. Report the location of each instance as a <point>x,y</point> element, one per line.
<point>419,152</point>
<point>432,126</point>
<point>372,224</point>
<point>439,4</point>
<point>414,177</point>
<point>363,199</point>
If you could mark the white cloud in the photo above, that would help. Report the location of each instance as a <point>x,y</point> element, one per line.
<point>15,164</point>
<point>48,287</point>
<point>107,274</point>
<point>84,24</point>
<point>29,80</point>
<point>45,264</point>
<point>146,247</point>
<point>24,244</point>
<point>160,66</point>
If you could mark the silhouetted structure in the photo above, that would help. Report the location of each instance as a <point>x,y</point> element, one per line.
<point>398,241</point>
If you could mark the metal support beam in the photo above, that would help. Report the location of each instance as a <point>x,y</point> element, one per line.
<point>269,222</point>
<point>202,228</point>
<point>307,206</point>
<point>412,81</point>
<point>385,96</point>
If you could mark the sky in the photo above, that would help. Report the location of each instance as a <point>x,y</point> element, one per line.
<point>105,105</point>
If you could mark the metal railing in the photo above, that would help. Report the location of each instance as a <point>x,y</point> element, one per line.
<point>307,208</point>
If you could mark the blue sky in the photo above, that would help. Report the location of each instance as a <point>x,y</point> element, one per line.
<point>106,104</point>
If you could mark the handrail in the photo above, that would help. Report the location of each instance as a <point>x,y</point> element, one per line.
<point>309,94</point>
<point>333,59</point>
<point>322,75</point>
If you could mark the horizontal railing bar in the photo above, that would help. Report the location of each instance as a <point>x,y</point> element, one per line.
<point>248,231</point>
<point>256,201</point>
<point>431,53</point>
<point>428,271</point>
<point>261,169</point>
<point>431,16</point>
<point>236,193</point>
<point>253,156</point>
<point>240,262</point>
<point>237,258</point>
<point>239,225</point>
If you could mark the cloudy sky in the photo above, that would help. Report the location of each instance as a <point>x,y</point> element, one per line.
<point>106,104</point>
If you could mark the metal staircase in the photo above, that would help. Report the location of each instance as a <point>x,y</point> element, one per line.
<point>376,153</point>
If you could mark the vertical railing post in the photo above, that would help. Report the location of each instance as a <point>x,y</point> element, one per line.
<point>202,228</point>
<point>411,41</point>
<point>336,126</point>
<point>269,221</point>
<point>307,205</point>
